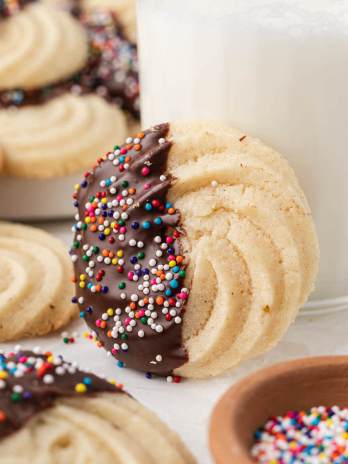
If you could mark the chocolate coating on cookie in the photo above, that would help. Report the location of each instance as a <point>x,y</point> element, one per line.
<point>31,382</point>
<point>111,70</point>
<point>129,269</point>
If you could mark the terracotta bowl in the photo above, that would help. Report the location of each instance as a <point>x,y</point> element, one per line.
<point>296,385</point>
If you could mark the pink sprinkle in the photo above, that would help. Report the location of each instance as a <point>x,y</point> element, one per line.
<point>169,240</point>
<point>182,296</point>
<point>147,186</point>
<point>145,171</point>
<point>130,275</point>
<point>127,321</point>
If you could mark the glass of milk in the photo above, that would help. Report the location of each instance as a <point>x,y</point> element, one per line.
<point>277,69</point>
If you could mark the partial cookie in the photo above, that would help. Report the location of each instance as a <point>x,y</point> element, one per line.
<point>56,413</point>
<point>35,286</point>
<point>195,248</point>
<point>40,45</point>
<point>125,10</point>
<point>60,137</point>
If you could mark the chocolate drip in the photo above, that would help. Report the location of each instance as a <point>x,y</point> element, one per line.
<point>30,383</point>
<point>111,70</point>
<point>108,293</point>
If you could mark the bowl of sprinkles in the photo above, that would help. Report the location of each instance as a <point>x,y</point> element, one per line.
<point>294,412</point>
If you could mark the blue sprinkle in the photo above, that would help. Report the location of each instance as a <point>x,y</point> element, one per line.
<point>87,381</point>
<point>146,225</point>
<point>174,283</point>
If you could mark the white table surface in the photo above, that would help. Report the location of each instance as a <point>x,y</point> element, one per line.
<point>186,407</point>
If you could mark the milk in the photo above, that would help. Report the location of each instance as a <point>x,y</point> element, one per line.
<point>277,69</point>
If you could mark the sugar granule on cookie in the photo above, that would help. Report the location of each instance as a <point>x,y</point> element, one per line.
<point>183,235</point>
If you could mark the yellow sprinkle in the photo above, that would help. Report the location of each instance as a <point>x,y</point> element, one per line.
<point>120,253</point>
<point>82,284</point>
<point>80,388</point>
<point>110,312</point>
<point>50,359</point>
<point>114,261</point>
<point>3,375</point>
<point>77,186</point>
<point>172,263</point>
<point>83,277</point>
<point>107,231</point>
<point>104,200</point>
<point>87,220</point>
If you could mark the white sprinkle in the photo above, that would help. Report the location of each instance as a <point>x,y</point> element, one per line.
<point>18,388</point>
<point>48,378</point>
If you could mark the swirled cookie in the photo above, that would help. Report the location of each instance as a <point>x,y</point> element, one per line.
<point>40,45</point>
<point>53,412</point>
<point>35,287</point>
<point>68,86</point>
<point>195,248</point>
<point>59,137</point>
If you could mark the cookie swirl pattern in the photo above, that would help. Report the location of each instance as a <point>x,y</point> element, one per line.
<point>53,412</point>
<point>59,137</point>
<point>39,46</point>
<point>35,290</point>
<point>243,232</point>
<point>250,239</point>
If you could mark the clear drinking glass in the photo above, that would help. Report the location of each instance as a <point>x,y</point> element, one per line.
<point>277,69</point>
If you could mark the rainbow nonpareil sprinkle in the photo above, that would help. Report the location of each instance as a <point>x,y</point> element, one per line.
<point>317,436</point>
